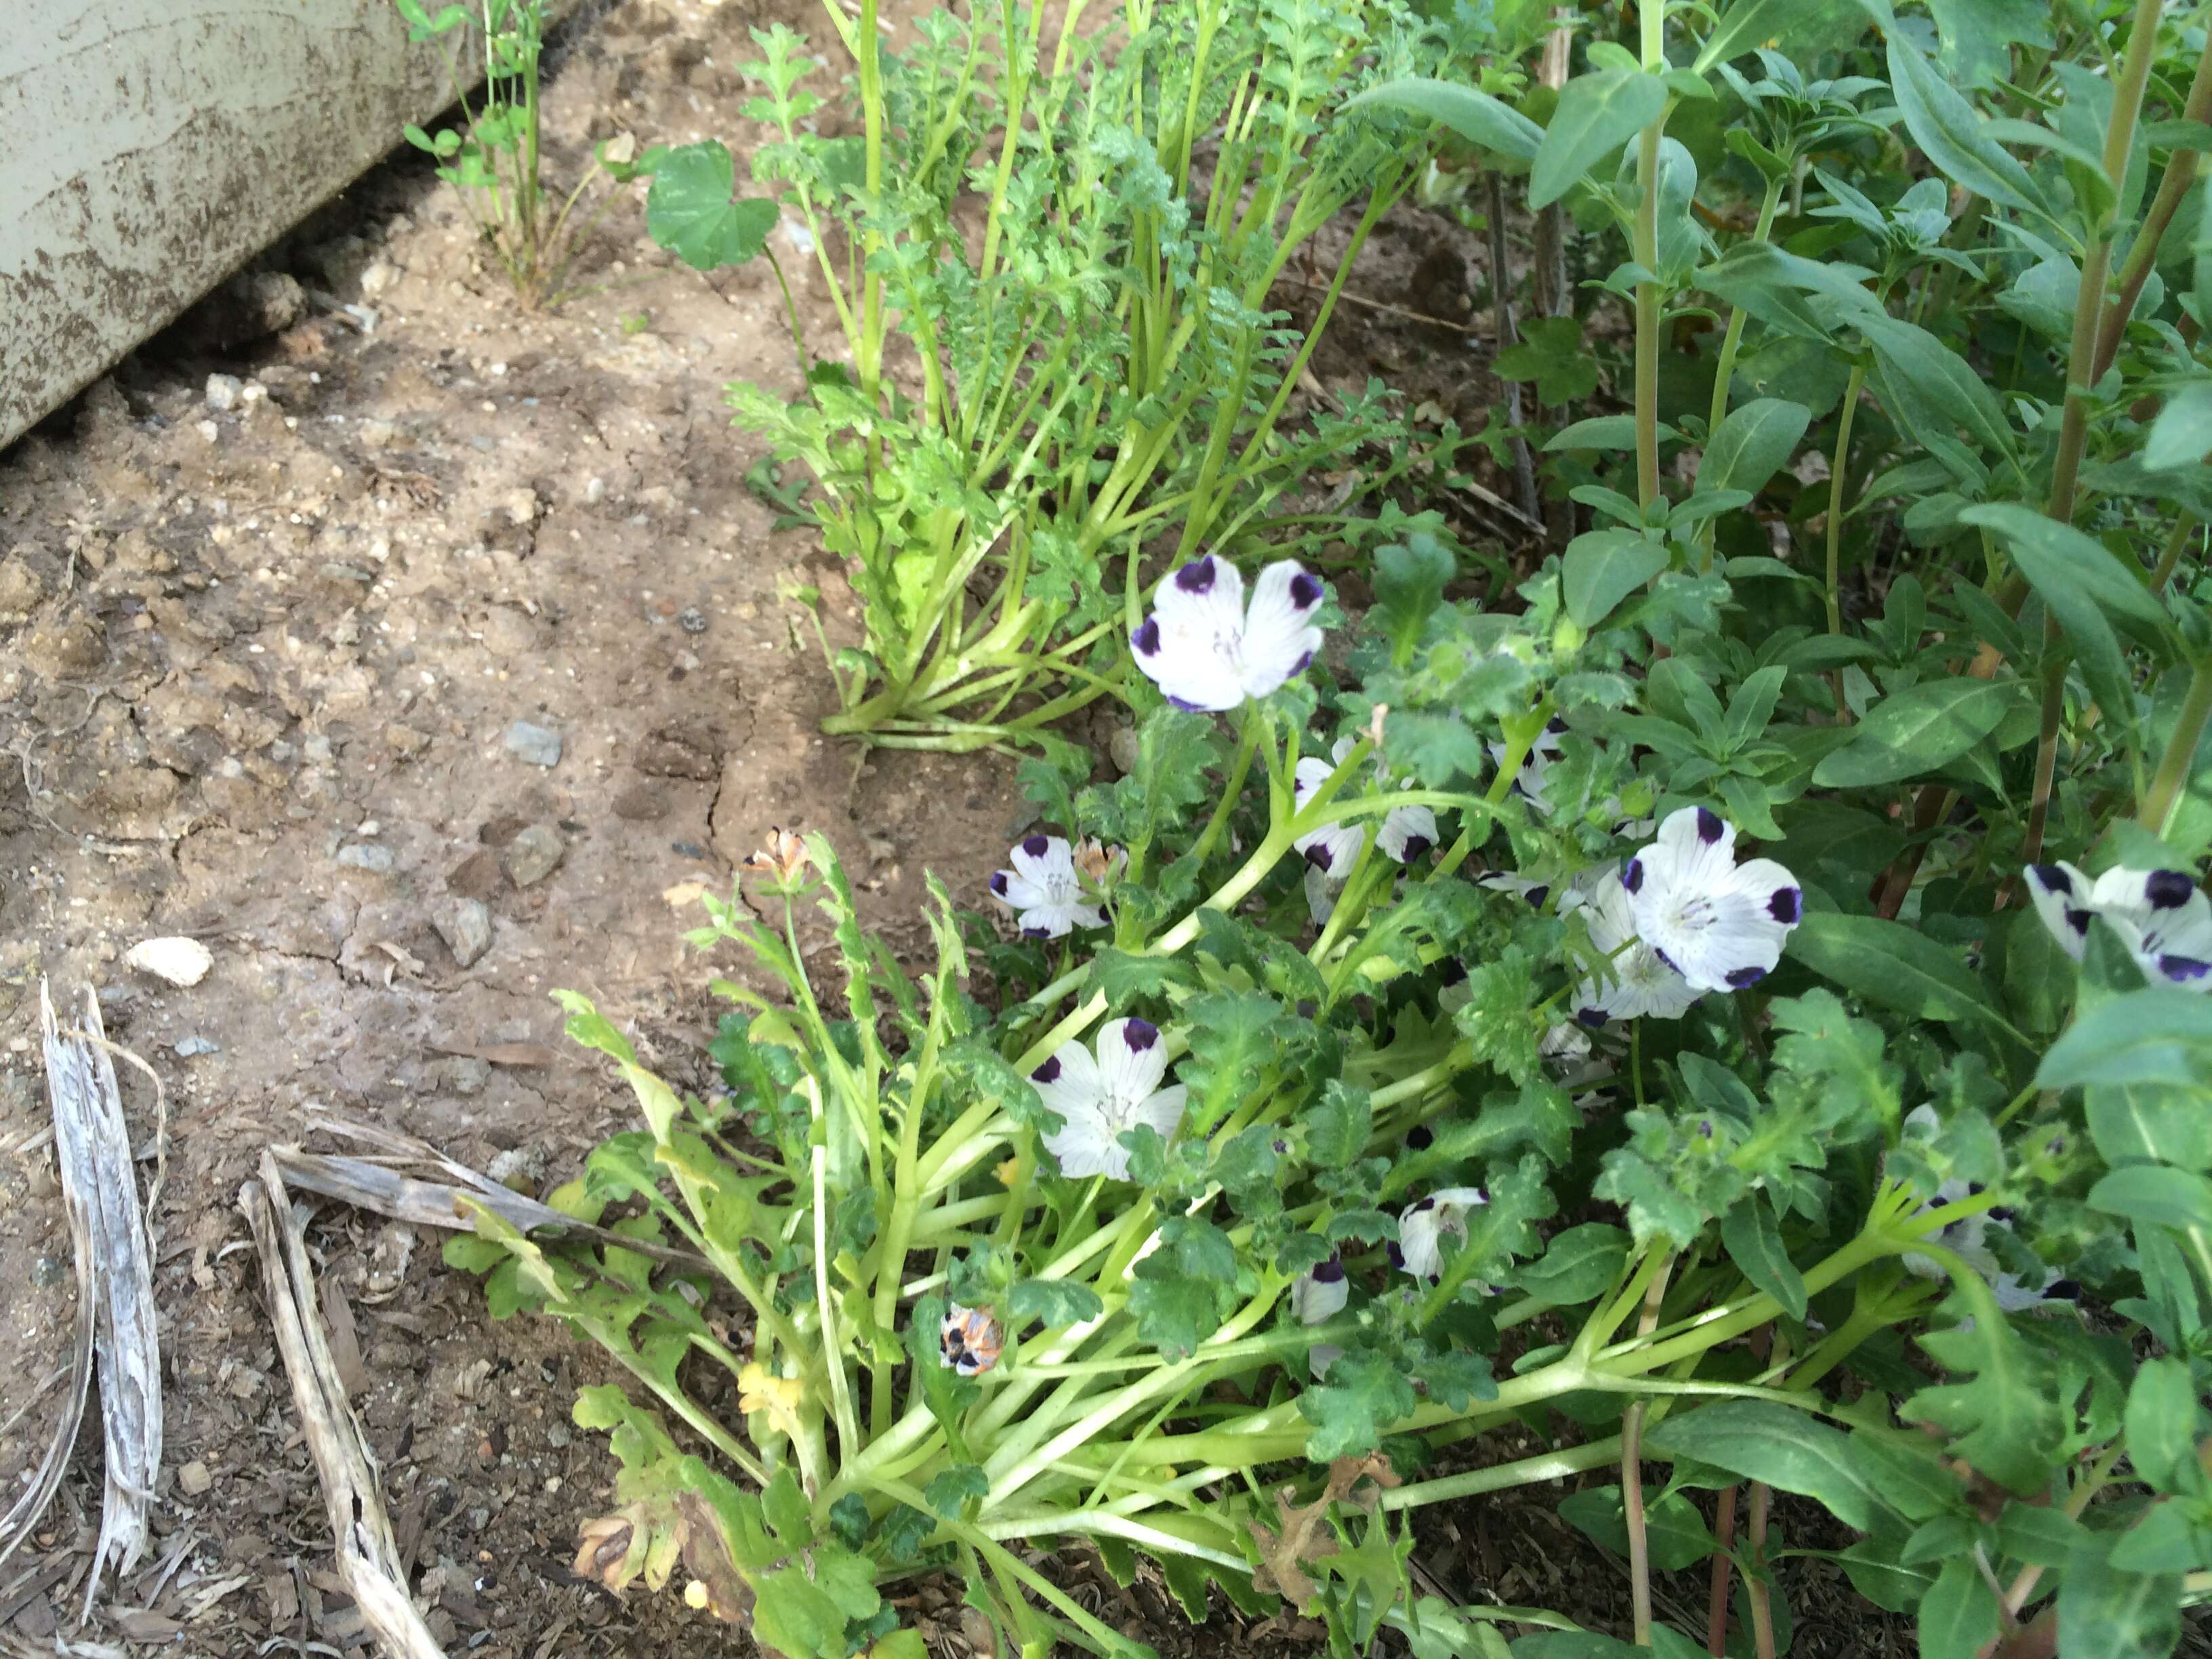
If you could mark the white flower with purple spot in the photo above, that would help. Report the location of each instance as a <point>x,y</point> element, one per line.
<point>1316,1297</point>
<point>1636,981</point>
<point>1528,782</point>
<point>1407,833</point>
<point>1968,1237</point>
<point>1424,1225</point>
<point>1102,1097</point>
<point>2161,915</point>
<point>1206,649</point>
<point>1044,889</point>
<point>1719,924</point>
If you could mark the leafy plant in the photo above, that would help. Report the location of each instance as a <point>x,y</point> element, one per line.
<point>1070,241</point>
<point>492,159</point>
<point>1414,1043</point>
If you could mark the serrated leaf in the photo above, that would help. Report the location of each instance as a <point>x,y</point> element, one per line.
<point>2005,1422</point>
<point>1056,1301</point>
<point>1363,1397</point>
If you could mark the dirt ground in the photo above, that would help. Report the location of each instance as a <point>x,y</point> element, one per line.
<point>442,605</point>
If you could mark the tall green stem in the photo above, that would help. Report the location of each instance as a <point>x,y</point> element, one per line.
<point>2180,751</point>
<point>1838,467</point>
<point>1724,366</point>
<point>1651,16</point>
<point>2181,170</point>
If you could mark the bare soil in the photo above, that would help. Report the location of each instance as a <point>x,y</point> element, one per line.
<point>264,658</point>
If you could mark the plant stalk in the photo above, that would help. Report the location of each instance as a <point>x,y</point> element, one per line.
<point>2173,767</point>
<point>1651,18</point>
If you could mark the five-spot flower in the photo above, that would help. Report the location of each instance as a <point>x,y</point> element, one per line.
<point>1719,924</point>
<point>1206,649</point>
<point>1103,1097</point>
<point>1423,1226</point>
<point>1316,1298</point>
<point>1968,1238</point>
<point>1406,832</point>
<point>2161,916</point>
<point>1045,890</point>
<point>1636,980</point>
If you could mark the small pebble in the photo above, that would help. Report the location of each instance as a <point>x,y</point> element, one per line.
<point>193,1479</point>
<point>535,854</point>
<point>48,1271</point>
<point>182,962</point>
<point>224,391</point>
<point>366,856</point>
<point>539,745</point>
<point>693,619</point>
<point>188,1047</point>
<point>466,929</point>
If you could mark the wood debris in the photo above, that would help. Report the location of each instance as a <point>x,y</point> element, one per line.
<point>369,1563</point>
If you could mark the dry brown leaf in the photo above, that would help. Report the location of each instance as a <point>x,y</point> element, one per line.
<point>345,1339</point>
<point>1302,1540</point>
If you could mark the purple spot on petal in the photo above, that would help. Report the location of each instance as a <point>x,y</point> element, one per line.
<point>1421,1137</point>
<point>2002,1212</point>
<point>1451,971</point>
<point>1282,1148</point>
<point>1416,846</point>
<point>2167,889</point>
<point>999,883</point>
<point>1318,856</point>
<point>1306,1008</point>
<point>1709,825</point>
<point>1592,1017</point>
<point>1787,905</point>
<point>1425,1206</point>
<point>1741,977</point>
<point>2181,969</point>
<point>1330,1272</point>
<point>2053,878</point>
<point>1197,576</point>
<point>2063,1290</point>
<point>1048,1073</point>
<point>1555,726</point>
<point>1147,639</point>
<point>1305,591</point>
<point>1632,877</point>
<point>1036,932</point>
<point>1186,708</point>
<point>2078,920</point>
<point>1140,1035</point>
<point>1304,662</point>
<point>1536,895</point>
<point>1664,957</point>
<point>1037,846</point>
<point>1397,1256</point>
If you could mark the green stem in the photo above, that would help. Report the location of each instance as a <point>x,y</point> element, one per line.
<point>2181,169</point>
<point>2173,768</point>
<point>1724,367</point>
<point>1837,468</point>
<point>1651,16</point>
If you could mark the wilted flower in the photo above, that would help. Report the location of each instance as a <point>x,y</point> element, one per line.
<point>1636,980</point>
<point>1100,1099</point>
<point>782,856</point>
<point>2161,915</point>
<point>970,1341</point>
<point>1044,891</point>
<point>1099,865</point>
<point>1406,832</point>
<point>761,1390</point>
<point>1968,1237</point>
<point>1204,649</point>
<point>1719,924</point>
<point>1423,1225</point>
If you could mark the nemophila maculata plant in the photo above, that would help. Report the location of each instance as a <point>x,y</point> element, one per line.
<point>1733,1004</point>
<point>1051,252</point>
<point>492,158</point>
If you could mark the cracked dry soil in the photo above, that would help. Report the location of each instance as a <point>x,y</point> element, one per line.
<point>258,668</point>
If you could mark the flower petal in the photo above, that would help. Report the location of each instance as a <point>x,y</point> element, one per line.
<point>1204,598</point>
<point>2061,895</point>
<point>1322,1294</point>
<point>1044,860</point>
<point>1131,1061</point>
<point>1069,1083</point>
<point>1279,637</point>
<point>1407,833</point>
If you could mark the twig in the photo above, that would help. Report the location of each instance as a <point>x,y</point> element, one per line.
<point>93,1149</point>
<point>369,1561</point>
<point>1394,311</point>
<point>1717,1609</point>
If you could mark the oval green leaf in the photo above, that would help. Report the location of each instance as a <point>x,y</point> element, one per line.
<point>1917,731</point>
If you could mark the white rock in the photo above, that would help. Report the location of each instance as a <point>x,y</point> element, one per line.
<point>222,390</point>
<point>379,276</point>
<point>208,429</point>
<point>181,962</point>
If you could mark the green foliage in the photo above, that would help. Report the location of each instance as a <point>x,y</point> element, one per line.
<point>1741,971</point>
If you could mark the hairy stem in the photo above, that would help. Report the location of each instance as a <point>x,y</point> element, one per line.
<point>1837,467</point>
<point>1651,16</point>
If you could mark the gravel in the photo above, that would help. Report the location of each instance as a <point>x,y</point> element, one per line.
<point>535,854</point>
<point>465,926</point>
<point>539,745</point>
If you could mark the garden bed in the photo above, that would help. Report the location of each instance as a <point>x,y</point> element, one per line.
<point>275,619</point>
